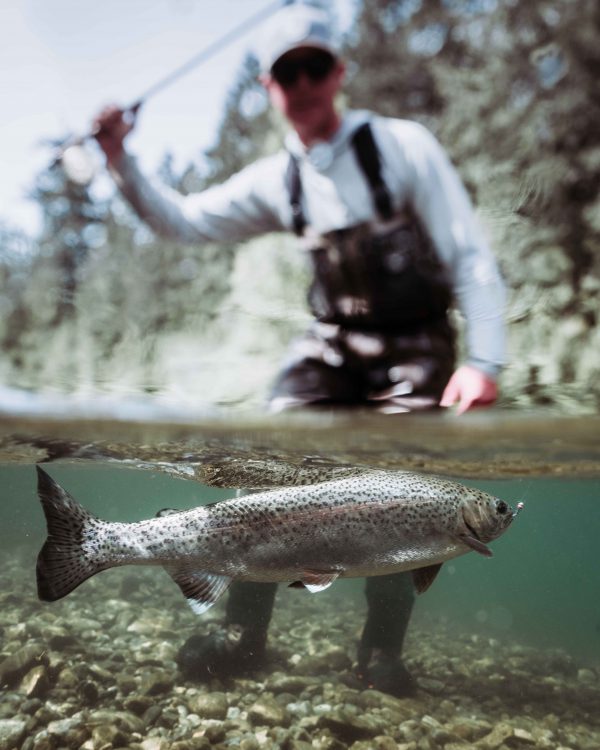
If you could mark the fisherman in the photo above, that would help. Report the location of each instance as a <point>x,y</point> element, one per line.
<point>392,239</point>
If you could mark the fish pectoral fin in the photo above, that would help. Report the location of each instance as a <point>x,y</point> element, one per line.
<point>199,588</point>
<point>424,577</point>
<point>316,580</point>
<point>476,545</point>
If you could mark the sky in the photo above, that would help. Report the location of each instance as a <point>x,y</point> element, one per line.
<point>62,60</point>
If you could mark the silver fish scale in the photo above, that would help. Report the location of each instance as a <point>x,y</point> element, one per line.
<point>371,524</point>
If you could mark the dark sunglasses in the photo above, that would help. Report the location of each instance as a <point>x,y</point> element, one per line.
<point>316,66</point>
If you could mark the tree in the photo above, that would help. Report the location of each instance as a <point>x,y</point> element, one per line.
<point>240,138</point>
<point>72,226</point>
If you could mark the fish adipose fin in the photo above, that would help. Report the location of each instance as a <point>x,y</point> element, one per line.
<point>424,577</point>
<point>167,512</point>
<point>200,589</point>
<point>315,581</point>
<point>64,562</point>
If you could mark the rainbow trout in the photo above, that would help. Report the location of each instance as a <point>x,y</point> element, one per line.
<point>368,525</point>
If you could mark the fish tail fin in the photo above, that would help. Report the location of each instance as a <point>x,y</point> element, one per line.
<point>65,560</point>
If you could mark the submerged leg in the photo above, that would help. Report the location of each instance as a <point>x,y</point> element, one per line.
<point>239,646</point>
<point>390,601</point>
<point>250,606</point>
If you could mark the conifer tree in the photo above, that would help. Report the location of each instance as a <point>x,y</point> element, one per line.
<point>72,226</point>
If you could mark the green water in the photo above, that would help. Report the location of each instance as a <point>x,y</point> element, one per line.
<point>541,587</point>
<point>504,651</point>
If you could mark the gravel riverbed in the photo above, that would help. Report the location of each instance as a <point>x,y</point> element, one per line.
<point>97,671</point>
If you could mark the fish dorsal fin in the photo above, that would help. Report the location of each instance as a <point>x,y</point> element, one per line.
<point>199,588</point>
<point>476,545</point>
<point>424,577</point>
<point>316,580</point>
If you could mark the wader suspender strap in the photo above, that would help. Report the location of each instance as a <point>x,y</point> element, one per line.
<point>294,188</point>
<point>367,156</point>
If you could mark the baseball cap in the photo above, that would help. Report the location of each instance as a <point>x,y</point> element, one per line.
<point>296,25</point>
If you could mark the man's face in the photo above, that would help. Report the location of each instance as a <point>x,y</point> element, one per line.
<point>302,85</point>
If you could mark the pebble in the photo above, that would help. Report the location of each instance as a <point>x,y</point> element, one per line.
<point>377,743</point>
<point>122,719</point>
<point>266,711</point>
<point>106,735</point>
<point>350,728</point>
<point>284,683</point>
<point>154,743</point>
<point>62,727</point>
<point>138,704</point>
<point>503,733</point>
<point>36,682</point>
<point>333,659</point>
<point>469,729</point>
<point>436,687</point>
<point>523,737</point>
<point>209,705</point>
<point>299,708</point>
<point>587,676</point>
<point>11,733</point>
<point>15,666</point>
<point>156,682</point>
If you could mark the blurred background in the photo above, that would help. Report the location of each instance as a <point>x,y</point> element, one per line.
<point>92,302</point>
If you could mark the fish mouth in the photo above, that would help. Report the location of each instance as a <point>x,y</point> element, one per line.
<point>508,513</point>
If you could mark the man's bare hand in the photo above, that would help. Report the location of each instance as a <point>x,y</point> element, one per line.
<point>469,387</point>
<point>110,128</point>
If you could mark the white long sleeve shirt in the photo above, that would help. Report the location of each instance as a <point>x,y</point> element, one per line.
<point>335,195</point>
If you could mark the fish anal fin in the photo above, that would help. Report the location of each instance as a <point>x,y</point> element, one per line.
<point>317,580</point>
<point>424,577</point>
<point>476,545</point>
<point>201,589</point>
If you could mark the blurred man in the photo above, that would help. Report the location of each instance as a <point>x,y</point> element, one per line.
<point>392,239</point>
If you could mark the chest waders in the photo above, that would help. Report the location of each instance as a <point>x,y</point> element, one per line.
<point>380,299</point>
<point>386,281</point>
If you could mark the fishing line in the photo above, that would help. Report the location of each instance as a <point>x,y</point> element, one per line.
<point>208,52</point>
<point>524,495</point>
<point>75,161</point>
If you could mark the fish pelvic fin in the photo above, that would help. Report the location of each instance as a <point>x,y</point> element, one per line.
<point>63,562</point>
<point>201,589</point>
<point>315,580</point>
<point>424,577</point>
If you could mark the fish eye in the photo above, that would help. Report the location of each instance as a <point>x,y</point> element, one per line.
<point>501,507</point>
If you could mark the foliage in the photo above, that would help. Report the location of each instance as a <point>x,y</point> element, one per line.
<point>511,91</point>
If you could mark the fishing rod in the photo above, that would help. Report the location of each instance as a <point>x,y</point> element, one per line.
<point>71,155</point>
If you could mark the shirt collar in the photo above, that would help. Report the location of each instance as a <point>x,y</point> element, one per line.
<point>322,153</point>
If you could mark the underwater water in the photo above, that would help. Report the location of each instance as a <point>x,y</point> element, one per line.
<point>505,651</point>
